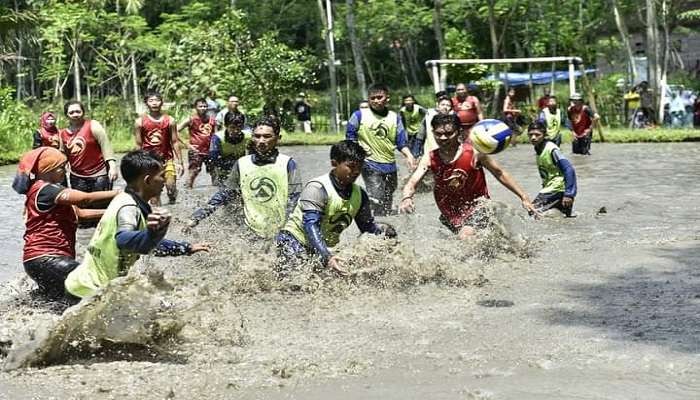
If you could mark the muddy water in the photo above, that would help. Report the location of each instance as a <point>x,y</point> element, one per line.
<point>603,305</point>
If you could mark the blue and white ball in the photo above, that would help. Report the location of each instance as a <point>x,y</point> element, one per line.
<point>490,136</point>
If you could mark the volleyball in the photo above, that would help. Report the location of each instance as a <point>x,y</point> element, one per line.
<point>490,136</point>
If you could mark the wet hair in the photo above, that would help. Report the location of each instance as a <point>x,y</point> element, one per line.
<point>152,94</point>
<point>377,87</point>
<point>138,163</point>
<point>347,150</point>
<point>441,94</point>
<point>537,125</point>
<point>234,119</point>
<point>269,120</point>
<point>199,100</point>
<point>408,96</point>
<point>445,119</point>
<point>71,103</point>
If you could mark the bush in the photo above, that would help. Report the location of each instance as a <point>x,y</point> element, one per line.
<point>17,125</point>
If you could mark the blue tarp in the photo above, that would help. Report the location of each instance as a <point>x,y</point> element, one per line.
<point>538,78</point>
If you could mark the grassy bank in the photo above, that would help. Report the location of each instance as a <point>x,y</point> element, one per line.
<point>122,139</point>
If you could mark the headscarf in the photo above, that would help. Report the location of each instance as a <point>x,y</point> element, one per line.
<point>38,161</point>
<point>47,130</point>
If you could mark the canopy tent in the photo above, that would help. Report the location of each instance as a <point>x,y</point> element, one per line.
<point>437,73</point>
<point>537,78</point>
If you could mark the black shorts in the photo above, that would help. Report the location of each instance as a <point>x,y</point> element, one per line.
<point>50,272</point>
<point>546,201</point>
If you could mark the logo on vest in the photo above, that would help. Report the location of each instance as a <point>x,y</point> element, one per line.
<point>263,189</point>
<point>381,130</point>
<point>76,146</point>
<point>340,222</point>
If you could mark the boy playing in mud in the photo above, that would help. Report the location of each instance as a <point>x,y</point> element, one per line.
<point>201,126</point>
<point>379,131</point>
<point>326,207</point>
<point>459,180</point>
<point>128,228</point>
<point>265,184</point>
<point>558,175</point>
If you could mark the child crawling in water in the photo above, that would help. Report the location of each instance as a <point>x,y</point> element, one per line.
<point>459,180</point>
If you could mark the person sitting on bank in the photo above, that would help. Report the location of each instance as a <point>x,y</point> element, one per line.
<point>264,185</point>
<point>51,214</point>
<point>128,228</point>
<point>326,207</point>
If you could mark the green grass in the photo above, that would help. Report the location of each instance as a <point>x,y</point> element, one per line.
<point>122,139</point>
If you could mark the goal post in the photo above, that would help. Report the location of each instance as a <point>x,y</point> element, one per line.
<point>436,66</point>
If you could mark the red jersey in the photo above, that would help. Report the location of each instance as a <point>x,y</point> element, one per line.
<point>458,185</point>
<point>467,111</point>
<point>580,120</point>
<point>200,133</point>
<point>83,151</point>
<point>155,136</point>
<point>542,102</point>
<point>49,232</point>
<point>48,138</point>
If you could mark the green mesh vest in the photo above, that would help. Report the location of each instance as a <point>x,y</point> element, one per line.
<point>264,189</point>
<point>377,135</point>
<point>552,177</point>
<point>337,215</point>
<point>103,260</point>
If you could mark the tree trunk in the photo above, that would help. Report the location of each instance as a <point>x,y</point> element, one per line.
<point>652,50</point>
<point>370,73</point>
<point>76,72</point>
<point>135,82</point>
<point>328,28</point>
<point>412,62</point>
<point>19,75</point>
<point>494,52</point>
<point>356,47</point>
<point>439,38</point>
<point>625,36</point>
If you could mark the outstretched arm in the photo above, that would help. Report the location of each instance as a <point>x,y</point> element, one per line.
<point>77,198</point>
<point>506,180</point>
<point>409,190</point>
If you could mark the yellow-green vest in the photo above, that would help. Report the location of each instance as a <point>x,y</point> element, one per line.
<point>230,150</point>
<point>412,120</point>
<point>377,135</point>
<point>552,177</point>
<point>337,215</point>
<point>265,190</point>
<point>553,121</point>
<point>103,260</point>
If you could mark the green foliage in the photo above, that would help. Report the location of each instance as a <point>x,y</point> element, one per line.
<point>223,56</point>
<point>17,125</point>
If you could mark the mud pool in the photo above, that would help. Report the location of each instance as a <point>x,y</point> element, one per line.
<point>601,306</point>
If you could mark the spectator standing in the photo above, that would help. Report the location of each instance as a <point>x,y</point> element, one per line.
<point>302,108</point>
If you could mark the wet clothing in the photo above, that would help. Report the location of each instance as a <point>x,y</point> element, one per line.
<point>379,134</point>
<point>581,125</point>
<point>224,151</point>
<point>88,149</point>
<point>201,131</point>
<point>412,121</point>
<point>156,135</point>
<point>459,184</point>
<point>49,238</point>
<point>558,178</point>
<point>383,131</point>
<point>546,201</point>
<point>467,111</point>
<point>119,240</point>
<point>50,227</point>
<point>553,120</point>
<point>325,209</point>
<point>50,272</point>
<point>261,182</point>
<point>380,188</point>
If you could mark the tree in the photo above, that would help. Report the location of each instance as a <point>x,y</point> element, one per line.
<point>328,37</point>
<point>357,54</point>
